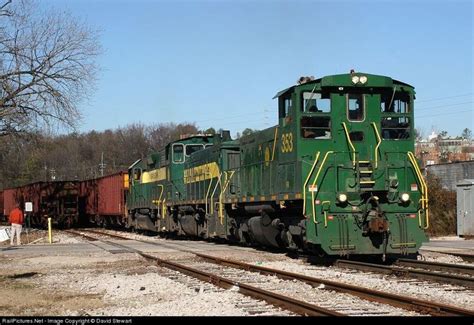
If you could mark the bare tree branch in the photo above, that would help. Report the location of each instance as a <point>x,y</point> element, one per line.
<point>47,67</point>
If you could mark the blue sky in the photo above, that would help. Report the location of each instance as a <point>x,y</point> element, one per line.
<point>219,63</point>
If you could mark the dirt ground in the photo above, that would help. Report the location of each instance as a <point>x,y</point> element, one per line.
<point>28,287</point>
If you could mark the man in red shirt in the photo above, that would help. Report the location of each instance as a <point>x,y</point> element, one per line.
<point>16,219</point>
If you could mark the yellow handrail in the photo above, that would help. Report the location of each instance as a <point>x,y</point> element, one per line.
<point>350,143</point>
<point>325,213</point>
<point>424,191</point>
<point>207,193</point>
<point>162,190</point>
<point>163,211</point>
<point>221,196</point>
<point>306,182</point>
<point>274,143</point>
<point>378,143</point>
<point>314,182</point>
<point>214,191</point>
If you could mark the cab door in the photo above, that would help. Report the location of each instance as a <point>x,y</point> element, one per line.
<point>359,114</point>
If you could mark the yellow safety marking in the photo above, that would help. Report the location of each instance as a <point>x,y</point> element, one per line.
<point>267,156</point>
<point>274,197</point>
<point>252,199</point>
<point>50,233</point>
<point>287,142</point>
<point>298,195</point>
<point>286,196</point>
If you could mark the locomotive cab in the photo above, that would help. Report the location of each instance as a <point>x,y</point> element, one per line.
<point>351,136</point>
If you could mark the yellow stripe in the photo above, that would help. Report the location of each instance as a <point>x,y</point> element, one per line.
<point>154,175</point>
<point>201,173</point>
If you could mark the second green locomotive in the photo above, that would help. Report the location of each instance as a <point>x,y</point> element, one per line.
<point>336,176</point>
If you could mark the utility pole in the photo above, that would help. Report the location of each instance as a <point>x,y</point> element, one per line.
<point>102,165</point>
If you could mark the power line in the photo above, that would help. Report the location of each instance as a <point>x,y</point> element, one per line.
<point>440,98</point>
<point>446,113</point>
<point>448,105</point>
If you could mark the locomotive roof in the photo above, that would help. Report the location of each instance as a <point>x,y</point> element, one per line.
<point>335,79</point>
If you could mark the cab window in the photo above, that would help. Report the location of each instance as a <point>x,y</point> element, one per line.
<point>316,102</point>
<point>395,109</point>
<point>395,128</point>
<point>399,104</point>
<point>285,105</point>
<point>178,153</point>
<point>192,148</point>
<point>355,107</point>
<point>316,127</point>
<point>137,173</point>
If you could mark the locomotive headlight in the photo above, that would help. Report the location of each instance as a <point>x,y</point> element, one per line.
<point>363,79</point>
<point>355,79</point>
<point>405,197</point>
<point>342,197</point>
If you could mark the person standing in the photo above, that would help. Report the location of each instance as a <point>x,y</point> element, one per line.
<point>16,220</point>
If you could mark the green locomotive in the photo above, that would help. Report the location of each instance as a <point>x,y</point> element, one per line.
<point>336,176</point>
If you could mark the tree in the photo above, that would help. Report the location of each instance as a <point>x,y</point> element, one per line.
<point>47,66</point>
<point>442,134</point>
<point>248,131</point>
<point>466,134</point>
<point>418,135</point>
<point>210,130</point>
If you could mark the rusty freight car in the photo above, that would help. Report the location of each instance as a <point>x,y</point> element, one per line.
<point>55,200</point>
<point>2,212</point>
<point>102,200</point>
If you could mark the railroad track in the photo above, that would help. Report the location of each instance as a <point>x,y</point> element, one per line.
<point>404,302</point>
<point>419,270</point>
<point>294,305</point>
<point>463,256</point>
<point>436,266</point>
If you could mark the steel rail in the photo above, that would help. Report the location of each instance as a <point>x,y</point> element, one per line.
<point>291,304</point>
<point>76,232</point>
<point>294,305</point>
<point>465,257</point>
<point>414,273</point>
<point>436,266</point>
<point>404,302</point>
